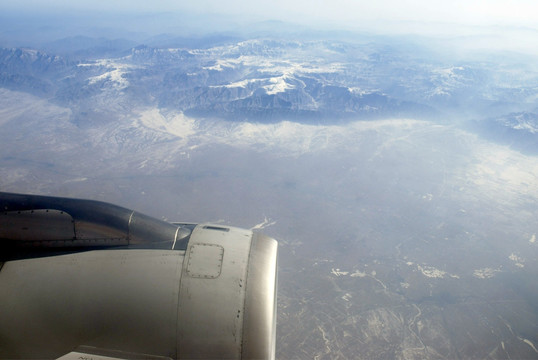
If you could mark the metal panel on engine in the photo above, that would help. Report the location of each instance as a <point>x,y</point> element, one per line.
<point>205,260</point>
<point>32,225</point>
<point>211,306</point>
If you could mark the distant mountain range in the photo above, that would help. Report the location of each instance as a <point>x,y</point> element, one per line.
<point>518,130</point>
<point>266,80</point>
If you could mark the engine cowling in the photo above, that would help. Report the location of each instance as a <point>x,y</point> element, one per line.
<point>84,277</point>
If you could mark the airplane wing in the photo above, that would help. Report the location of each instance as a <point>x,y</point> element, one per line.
<point>88,279</point>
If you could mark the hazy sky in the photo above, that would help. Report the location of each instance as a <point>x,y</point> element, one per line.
<point>482,24</point>
<point>351,12</point>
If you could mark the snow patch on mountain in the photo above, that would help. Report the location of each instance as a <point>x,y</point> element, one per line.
<point>277,85</point>
<point>338,272</point>
<point>485,273</point>
<point>264,224</point>
<point>174,123</point>
<point>431,271</point>
<point>446,80</point>
<point>518,260</point>
<point>114,74</point>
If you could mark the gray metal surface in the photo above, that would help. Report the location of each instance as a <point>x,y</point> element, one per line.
<point>34,220</point>
<point>212,307</point>
<point>112,299</point>
<point>259,328</point>
<point>93,353</point>
<point>90,298</point>
<point>39,224</point>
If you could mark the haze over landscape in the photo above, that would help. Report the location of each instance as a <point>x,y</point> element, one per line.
<point>391,149</point>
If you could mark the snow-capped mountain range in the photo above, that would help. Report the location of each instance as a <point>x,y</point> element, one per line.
<point>273,80</point>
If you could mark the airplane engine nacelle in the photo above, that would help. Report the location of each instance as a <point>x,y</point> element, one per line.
<point>81,278</point>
